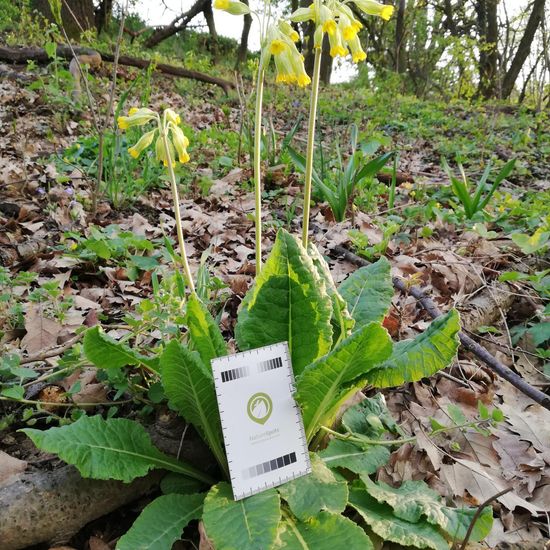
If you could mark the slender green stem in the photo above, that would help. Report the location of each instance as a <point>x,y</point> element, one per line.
<point>258,166</point>
<point>177,212</point>
<point>311,143</point>
<point>366,441</point>
<point>391,200</point>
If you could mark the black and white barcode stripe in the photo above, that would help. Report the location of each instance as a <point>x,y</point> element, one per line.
<point>271,364</point>
<point>233,374</point>
<point>269,466</point>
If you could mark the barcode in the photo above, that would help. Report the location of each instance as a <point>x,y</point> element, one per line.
<point>233,374</point>
<point>271,364</point>
<point>269,466</point>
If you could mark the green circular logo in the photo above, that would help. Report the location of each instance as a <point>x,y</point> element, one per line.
<point>259,408</point>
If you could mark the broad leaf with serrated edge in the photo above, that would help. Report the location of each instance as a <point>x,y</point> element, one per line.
<point>106,353</point>
<point>414,499</point>
<point>108,449</point>
<point>423,356</point>
<point>204,334</point>
<point>368,292</point>
<point>190,389</point>
<point>288,302</point>
<point>325,384</point>
<point>389,527</point>
<point>341,320</point>
<point>236,525</point>
<point>162,522</point>
<point>325,531</point>
<point>318,491</point>
<point>370,418</point>
<point>345,454</point>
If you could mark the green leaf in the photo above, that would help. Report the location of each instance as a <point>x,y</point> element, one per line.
<point>325,384</point>
<point>368,292</point>
<point>108,449</point>
<point>429,352</point>
<point>370,418</point>
<point>341,320</point>
<point>315,492</point>
<point>324,532</point>
<point>204,333</point>
<point>236,525</point>
<point>14,392</point>
<point>345,454</point>
<point>388,527</point>
<point>190,389</point>
<point>289,302</point>
<point>146,263</point>
<point>183,485</point>
<point>162,522</point>
<point>414,499</point>
<point>531,244</point>
<point>106,353</point>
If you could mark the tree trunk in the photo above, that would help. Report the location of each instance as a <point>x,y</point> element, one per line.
<point>103,15</point>
<point>177,25</point>
<point>77,15</point>
<point>488,54</point>
<point>242,53</point>
<point>524,48</point>
<point>400,53</point>
<point>209,16</point>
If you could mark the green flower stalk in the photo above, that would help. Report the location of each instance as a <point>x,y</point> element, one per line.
<point>170,143</point>
<point>336,19</point>
<point>278,42</point>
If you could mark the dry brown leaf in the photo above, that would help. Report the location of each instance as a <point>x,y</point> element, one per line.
<point>42,331</point>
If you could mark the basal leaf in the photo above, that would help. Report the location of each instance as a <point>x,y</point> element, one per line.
<point>190,389</point>
<point>389,527</point>
<point>236,525</point>
<point>325,531</point>
<point>106,353</point>
<point>323,385</point>
<point>320,490</point>
<point>414,499</point>
<point>341,320</point>
<point>370,418</point>
<point>288,302</point>
<point>204,333</point>
<point>162,522</point>
<point>368,292</point>
<point>429,352</point>
<point>108,449</point>
<point>182,485</point>
<point>345,454</point>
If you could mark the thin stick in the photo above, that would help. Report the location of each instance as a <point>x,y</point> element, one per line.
<point>479,351</point>
<point>258,167</point>
<point>311,143</point>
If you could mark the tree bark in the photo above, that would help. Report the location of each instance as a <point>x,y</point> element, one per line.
<point>103,15</point>
<point>243,46</point>
<point>488,54</point>
<point>400,52</point>
<point>177,25</point>
<point>77,15</point>
<point>524,48</point>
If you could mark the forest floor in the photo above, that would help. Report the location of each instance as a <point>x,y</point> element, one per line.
<point>64,268</point>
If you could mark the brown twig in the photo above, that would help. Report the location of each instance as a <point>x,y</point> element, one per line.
<point>52,352</point>
<point>479,351</point>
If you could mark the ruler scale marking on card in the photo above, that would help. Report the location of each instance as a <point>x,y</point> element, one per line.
<point>261,422</point>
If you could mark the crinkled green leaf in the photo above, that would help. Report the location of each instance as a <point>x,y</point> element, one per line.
<point>204,333</point>
<point>325,531</point>
<point>341,320</point>
<point>319,490</point>
<point>236,525</point>
<point>429,352</point>
<point>389,527</point>
<point>368,292</point>
<point>116,448</point>
<point>414,499</point>
<point>345,454</point>
<point>106,353</point>
<point>325,384</point>
<point>370,418</point>
<point>288,302</point>
<point>183,485</point>
<point>162,522</point>
<point>190,389</point>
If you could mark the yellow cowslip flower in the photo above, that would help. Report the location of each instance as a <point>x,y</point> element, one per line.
<point>180,142</point>
<point>371,7</point>
<point>277,47</point>
<point>232,6</point>
<point>161,152</point>
<point>286,28</point>
<point>337,48</point>
<point>326,20</point>
<point>357,52</point>
<point>172,116</point>
<point>137,117</point>
<point>144,141</point>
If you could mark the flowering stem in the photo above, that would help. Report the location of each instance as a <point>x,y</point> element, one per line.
<point>177,212</point>
<point>258,166</point>
<point>311,143</point>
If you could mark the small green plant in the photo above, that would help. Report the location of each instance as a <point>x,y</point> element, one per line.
<point>475,200</point>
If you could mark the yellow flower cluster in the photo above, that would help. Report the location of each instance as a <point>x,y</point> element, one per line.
<point>336,19</point>
<point>168,126</point>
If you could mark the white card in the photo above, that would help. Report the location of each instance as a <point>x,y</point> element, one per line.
<point>262,424</point>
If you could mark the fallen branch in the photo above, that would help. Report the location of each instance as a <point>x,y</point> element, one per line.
<point>22,55</point>
<point>479,351</point>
